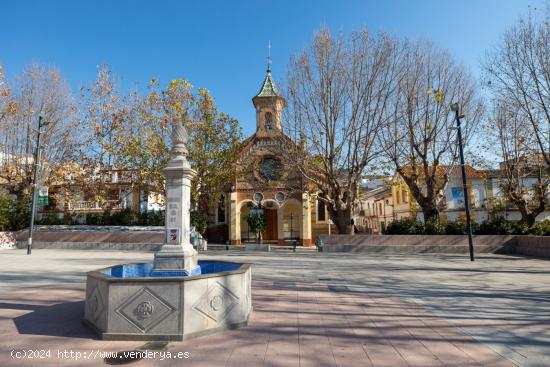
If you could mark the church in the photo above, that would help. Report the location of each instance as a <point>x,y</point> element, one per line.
<point>264,183</point>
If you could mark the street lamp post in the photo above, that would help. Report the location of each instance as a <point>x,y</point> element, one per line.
<point>456,109</point>
<point>34,182</point>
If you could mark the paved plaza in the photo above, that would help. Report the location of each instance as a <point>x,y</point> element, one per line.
<point>309,310</point>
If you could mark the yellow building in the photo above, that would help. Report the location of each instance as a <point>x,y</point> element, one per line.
<point>376,210</point>
<point>403,205</point>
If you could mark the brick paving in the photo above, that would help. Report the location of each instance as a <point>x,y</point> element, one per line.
<point>309,310</point>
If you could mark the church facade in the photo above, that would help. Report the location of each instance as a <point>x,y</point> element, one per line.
<point>264,183</point>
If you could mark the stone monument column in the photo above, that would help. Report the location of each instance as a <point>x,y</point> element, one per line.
<point>177,256</point>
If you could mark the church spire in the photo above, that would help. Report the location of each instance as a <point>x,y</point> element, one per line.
<point>269,89</point>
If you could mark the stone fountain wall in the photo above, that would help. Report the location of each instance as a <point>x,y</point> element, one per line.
<point>175,308</point>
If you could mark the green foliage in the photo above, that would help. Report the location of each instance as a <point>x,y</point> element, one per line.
<point>50,219</point>
<point>14,212</point>
<point>19,213</point>
<point>155,218</point>
<point>71,219</point>
<point>491,226</point>
<point>434,227</point>
<point>405,226</point>
<point>125,217</point>
<point>94,219</point>
<point>540,229</point>
<point>456,228</point>
<point>499,225</point>
<point>199,220</point>
<point>5,202</point>
<point>257,223</point>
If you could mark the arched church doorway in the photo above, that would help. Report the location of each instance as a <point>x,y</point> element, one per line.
<point>271,231</point>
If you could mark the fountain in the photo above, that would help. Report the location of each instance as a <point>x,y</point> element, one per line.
<point>177,296</point>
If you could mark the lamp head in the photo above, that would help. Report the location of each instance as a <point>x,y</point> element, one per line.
<point>454,107</point>
<point>41,121</point>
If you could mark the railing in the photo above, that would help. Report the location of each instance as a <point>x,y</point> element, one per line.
<point>93,205</point>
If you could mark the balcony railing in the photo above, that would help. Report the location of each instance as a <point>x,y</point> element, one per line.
<point>93,205</point>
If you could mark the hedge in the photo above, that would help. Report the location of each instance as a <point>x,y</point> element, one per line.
<point>497,225</point>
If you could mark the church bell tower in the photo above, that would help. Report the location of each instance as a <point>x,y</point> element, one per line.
<point>269,106</point>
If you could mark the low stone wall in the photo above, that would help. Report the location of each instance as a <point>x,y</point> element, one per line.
<point>152,238</point>
<point>413,244</point>
<point>81,237</point>
<point>532,246</point>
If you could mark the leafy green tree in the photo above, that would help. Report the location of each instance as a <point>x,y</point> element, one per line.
<point>257,223</point>
<point>199,220</point>
<point>214,139</point>
<point>214,142</point>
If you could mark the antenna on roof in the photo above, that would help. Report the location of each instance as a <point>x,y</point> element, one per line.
<point>269,56</point>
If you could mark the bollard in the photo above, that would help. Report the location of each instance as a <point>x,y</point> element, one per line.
<point>319,244</point>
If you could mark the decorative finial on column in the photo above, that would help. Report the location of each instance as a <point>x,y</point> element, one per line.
<point>179,141</point>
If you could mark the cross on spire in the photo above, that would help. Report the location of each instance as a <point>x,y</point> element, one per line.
<point>269,56</point>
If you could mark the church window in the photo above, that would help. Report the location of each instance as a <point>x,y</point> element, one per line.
<point>321,211</point>
<point>268,121</point>
<point>271,169</point>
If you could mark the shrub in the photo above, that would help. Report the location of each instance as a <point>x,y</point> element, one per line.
<point>73,219</point>
<point>497,225</point>
<point>5,204</point>
<point>257,223</point>
<point>50,219</point>
<point>155,218</point>
<point>199,220</point>
<point>458,227</point>
<point>19,213</point>
<point>125,217</point>
<point>540,229</point>
<point>95,219</point>
<point>405,226</point>
<point>433,228</point>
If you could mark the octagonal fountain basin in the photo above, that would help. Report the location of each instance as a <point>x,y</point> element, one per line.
<point>125,302</point>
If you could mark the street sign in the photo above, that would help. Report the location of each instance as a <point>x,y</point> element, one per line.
<point>330,221</point>
<point>43,196</point>
<point>43,191</point>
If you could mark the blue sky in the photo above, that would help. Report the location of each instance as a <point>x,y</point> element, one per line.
<point>222,45</point>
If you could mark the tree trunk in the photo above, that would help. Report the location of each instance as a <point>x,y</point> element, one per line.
<point>342,220</point>
<point>431,214</point>
<point>529,217</point>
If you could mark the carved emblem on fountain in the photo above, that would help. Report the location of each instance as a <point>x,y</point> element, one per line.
<point>144,310</point>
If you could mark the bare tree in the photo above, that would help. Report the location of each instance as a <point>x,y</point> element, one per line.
<point>524,181</point>
<point>518,71</point>
<point>420,142</point>
<point>105,112</point>
<point>338,95</point>
<point>39,90</point>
